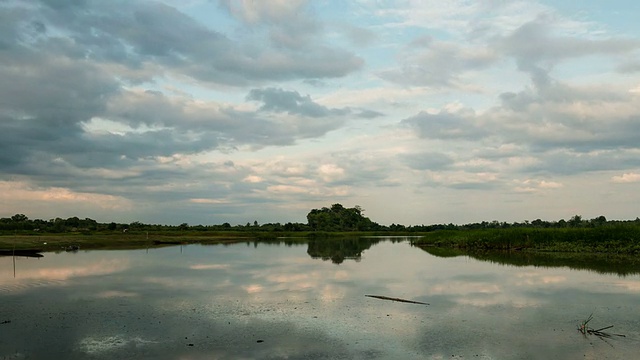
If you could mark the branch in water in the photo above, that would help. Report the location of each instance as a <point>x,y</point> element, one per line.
<point>396,299</point>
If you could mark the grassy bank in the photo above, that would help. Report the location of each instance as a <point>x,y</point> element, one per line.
<point>55,242</point>
<point>137,240</point>
<point>616,239</point>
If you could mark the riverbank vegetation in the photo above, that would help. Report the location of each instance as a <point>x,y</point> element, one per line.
<point>623,238</point>
<point>597,235</point>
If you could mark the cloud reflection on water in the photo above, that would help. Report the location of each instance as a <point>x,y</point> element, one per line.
<point>49,271</point>
<point>224,299</point>
<point>209,266</point>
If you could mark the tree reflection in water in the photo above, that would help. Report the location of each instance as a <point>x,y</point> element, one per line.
<point>339,249</point>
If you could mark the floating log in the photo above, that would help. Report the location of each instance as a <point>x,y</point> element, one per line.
<point>396,299</point>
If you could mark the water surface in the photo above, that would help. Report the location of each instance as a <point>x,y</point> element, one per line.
<point>305,300</point>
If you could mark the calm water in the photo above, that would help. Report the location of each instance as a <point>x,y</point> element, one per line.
<point>306,301</point>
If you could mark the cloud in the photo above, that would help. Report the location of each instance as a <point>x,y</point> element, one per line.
<point>264,11</point>
<point>369,114</point>
<point>209,201</point>
<point>463,180</point>
<point>17,192</point>
<point>534,185</point>
<point>133,34</point>
<point>559,128</point>
<point>538,44</point>
<point>427,160</point>
<point>446,124</point>
<point>359,36</point>
<point>428,62</point>
<point>626,178</point>
<point>629,67</point>
<point>279,100</point>
<point>330,172</point>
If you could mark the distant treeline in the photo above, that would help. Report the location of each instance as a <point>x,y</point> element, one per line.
<point>336,218</point>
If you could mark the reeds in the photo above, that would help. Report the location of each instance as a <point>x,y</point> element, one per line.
<point>619,239</point>
<point>586,330</point>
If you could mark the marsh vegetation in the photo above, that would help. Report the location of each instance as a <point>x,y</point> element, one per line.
<point>597,235</point>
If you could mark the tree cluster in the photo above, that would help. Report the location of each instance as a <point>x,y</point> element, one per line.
<point>575,221</point>
<point>339,218</point>
<point>336,218</point>
<point>20,222</point>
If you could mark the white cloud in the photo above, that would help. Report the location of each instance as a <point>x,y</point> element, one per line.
<point>253,179</point>
<point>265,10</point>
<point>330,172</point>
<point>209,201</point>
<point>534,185</point>
<point>550,184</point>
<point>626,178</point>
<point>16,192</point>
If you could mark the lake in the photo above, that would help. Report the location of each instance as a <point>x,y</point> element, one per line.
<point>299,299</point>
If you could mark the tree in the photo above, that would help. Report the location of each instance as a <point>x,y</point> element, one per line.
<point>19,218</point>
<point>575,221</point>
<point>598,221</point>
<point>338,218</point>
<point>72,222</point>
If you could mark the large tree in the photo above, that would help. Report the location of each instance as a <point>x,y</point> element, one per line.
<point>339,218</point>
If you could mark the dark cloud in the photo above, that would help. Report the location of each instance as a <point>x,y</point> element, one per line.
<point>631,66</point>
<point>369,114</point>
<point>359,36</point>
<point>552,114</point>
<point>279,100</point>
<point>65,65</point>
<point>427,161</point>
<point>535,46</point>
<point>133,33</point>
<point>57,82</point>
<point>566,162</point>
<point>446,125</point>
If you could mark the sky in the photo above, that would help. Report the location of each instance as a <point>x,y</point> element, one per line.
<point>420,112</point>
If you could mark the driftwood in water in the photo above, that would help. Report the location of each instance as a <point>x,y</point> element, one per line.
<point>396,299</point>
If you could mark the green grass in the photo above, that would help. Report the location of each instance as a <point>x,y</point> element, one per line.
<point>612,239</point>
<point>55,242</point>
<point>140,239</point>
<point>619,239</point>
